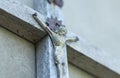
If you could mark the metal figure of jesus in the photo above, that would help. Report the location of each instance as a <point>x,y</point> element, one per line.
<point>59,39</point>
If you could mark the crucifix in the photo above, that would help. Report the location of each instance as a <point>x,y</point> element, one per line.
<point>59,40</point>
<point>57,64</point>
<point>20,22</point>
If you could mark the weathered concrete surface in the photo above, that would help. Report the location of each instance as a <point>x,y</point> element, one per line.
<point>45,59</point>
<point>17,18</point>
<point>48,10</point>
<point>96,21</point>
<point>29,3</point>
<point>75,72</point>
<point>17,56</point>
<point>92,59</point>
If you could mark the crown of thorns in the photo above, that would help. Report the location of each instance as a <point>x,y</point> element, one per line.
<point>53,23</point>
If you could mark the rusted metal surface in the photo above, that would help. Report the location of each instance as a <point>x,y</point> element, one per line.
<point>53,23</point>
<point>56,2</point>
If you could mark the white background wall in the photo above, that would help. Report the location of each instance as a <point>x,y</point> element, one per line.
<point>74,72</point>
<point>17,56</point>
<point>98,21</point>
<point>26,2</point>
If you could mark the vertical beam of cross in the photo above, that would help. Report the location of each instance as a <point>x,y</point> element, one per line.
<point>46,67</point>
<point>44,58</point>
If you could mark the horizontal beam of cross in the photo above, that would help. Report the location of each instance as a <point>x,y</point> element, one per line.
<point>17,18</point>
